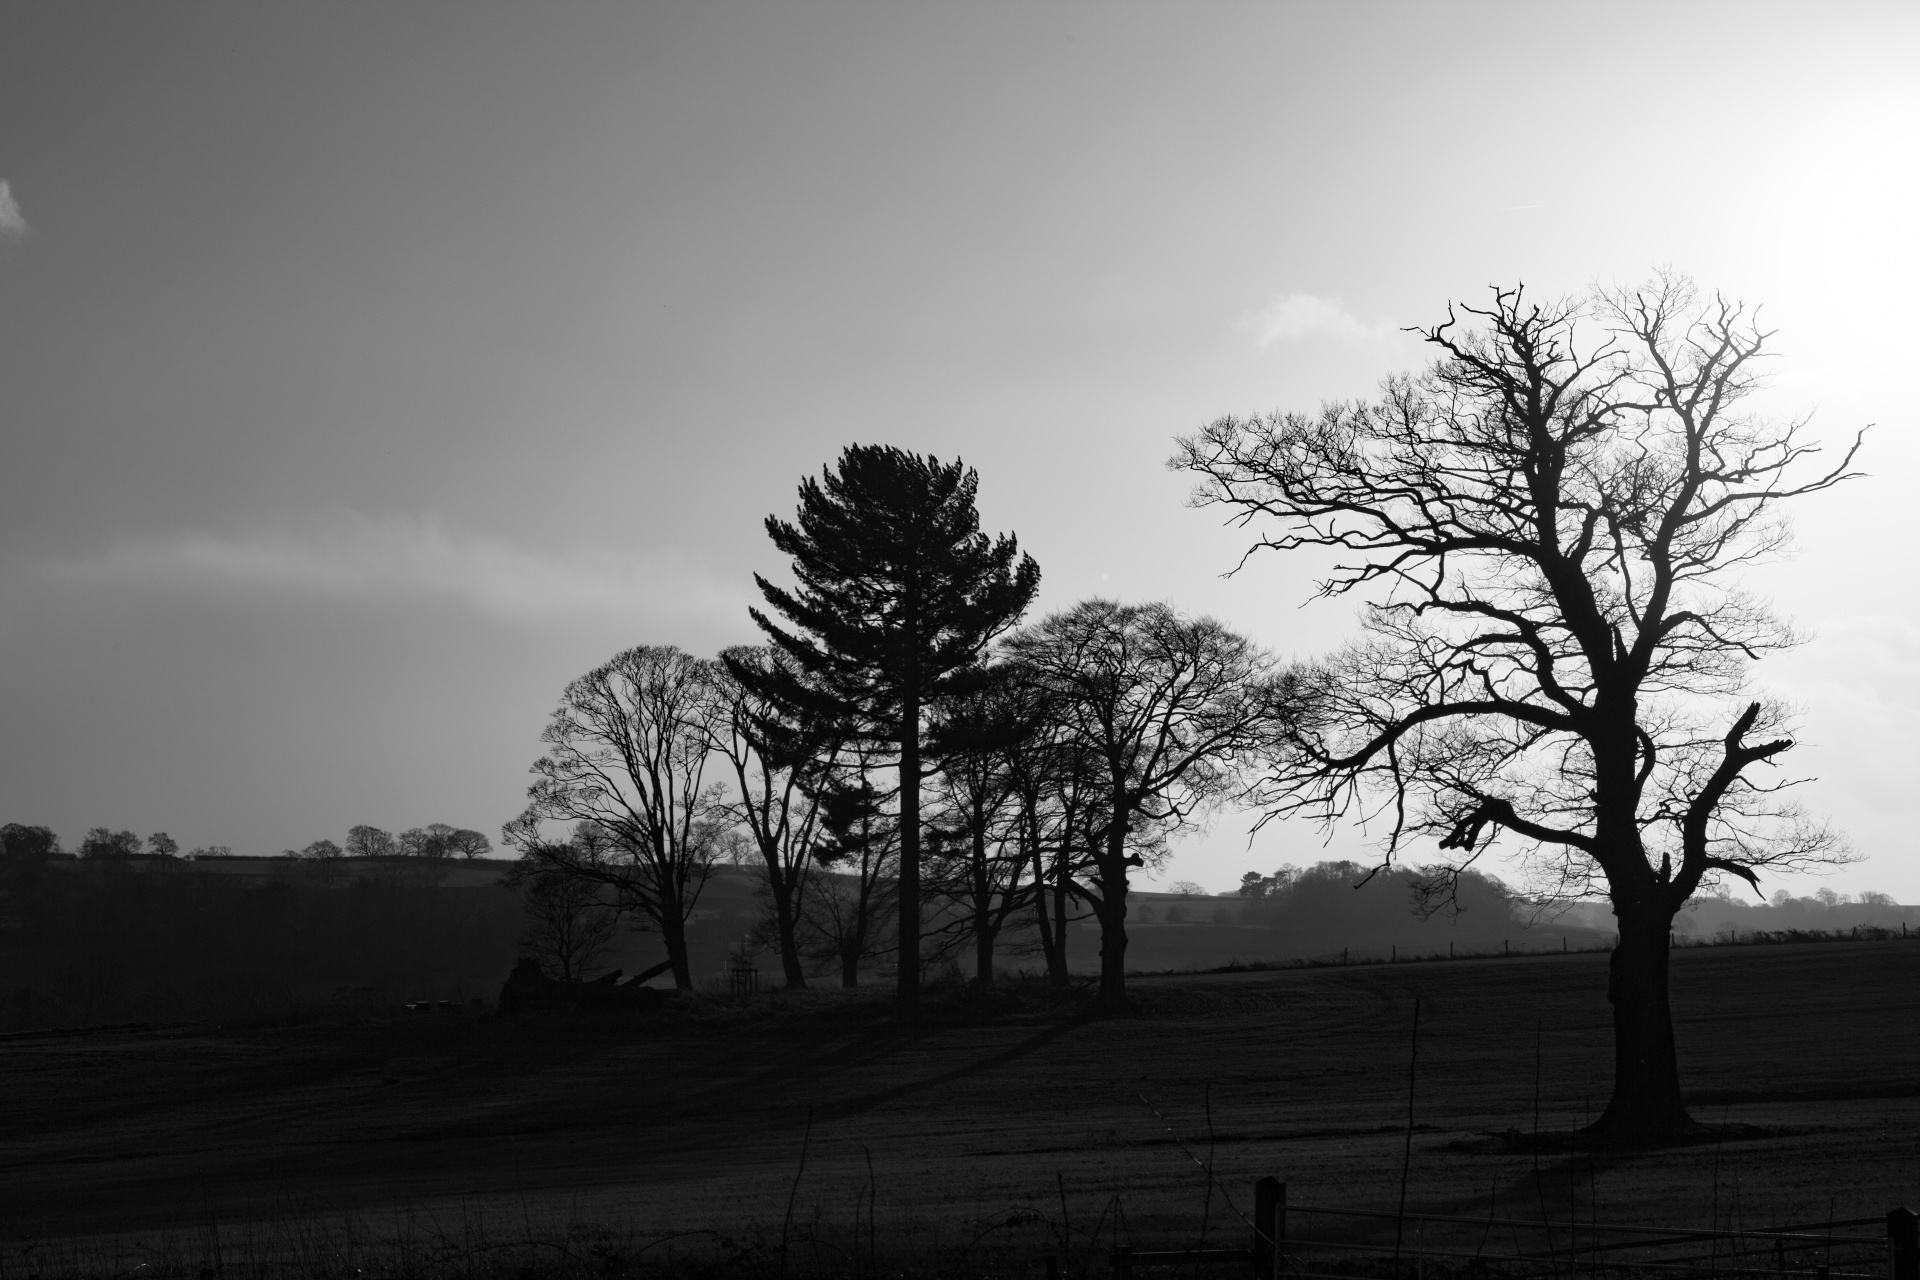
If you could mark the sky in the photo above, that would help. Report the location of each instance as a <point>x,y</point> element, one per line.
<point>367,372</point>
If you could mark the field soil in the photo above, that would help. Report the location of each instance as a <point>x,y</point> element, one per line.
<point>999,1113</point>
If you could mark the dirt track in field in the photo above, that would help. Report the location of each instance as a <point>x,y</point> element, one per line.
<point>1305,1072</point>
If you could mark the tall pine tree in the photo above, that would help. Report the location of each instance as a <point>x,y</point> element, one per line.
<point>898,594</point>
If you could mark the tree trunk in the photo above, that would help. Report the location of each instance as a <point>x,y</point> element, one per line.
<point>786,921</point>
<point>1112,910</point>
<point>983,926</point>
<point>907,983</point>
<point>1112,868</point>
<point>983,938</point>
<point>1057,972</point>
<point>1646,1107</point>
<point>850,964</point>
<point>1052,944</point>
<point>673,932</point>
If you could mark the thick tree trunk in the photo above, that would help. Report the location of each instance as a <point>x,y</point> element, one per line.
<point>1057,972</point>
<point>786,921</point>
<point>907,987</point>
<point>850,964</point>
<point>1112,910</point>
<point>1049,909</point>
<point>983,937</point>
<point>984,928</point>
<point>1646,1107</point>
<point>673,932</point>
<point>1042,922</point>
<point>1113,907</point>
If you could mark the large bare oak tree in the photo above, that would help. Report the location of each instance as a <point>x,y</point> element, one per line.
<point>1551,527</point>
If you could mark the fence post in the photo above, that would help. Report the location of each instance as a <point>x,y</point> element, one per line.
<point>1269,1227</point>
<point>1123,1262</point>
<point>1903,1244</point>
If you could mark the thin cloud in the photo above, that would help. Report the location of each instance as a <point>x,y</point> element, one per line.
<point>424,558</point>
<point>13,223</point>
<point>1293,316</point>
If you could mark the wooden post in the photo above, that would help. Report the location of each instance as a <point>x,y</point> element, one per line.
<point>1269,1227</point>
<point>1903,1244</point>
<point>1123,1262</point>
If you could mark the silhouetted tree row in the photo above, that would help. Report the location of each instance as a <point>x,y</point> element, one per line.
<point>435,840</point>
<point>1546,530</point>
<point>899,748</point>
<point>438,840</point>
<point>20,841</point>
<point>1332,905</point>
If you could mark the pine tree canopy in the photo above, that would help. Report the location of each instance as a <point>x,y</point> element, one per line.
<point>898,590</point>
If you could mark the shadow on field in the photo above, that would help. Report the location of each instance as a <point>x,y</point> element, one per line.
<point>1553,1188</point>
<point>1014,1101</point>
<point>1013,1053</point>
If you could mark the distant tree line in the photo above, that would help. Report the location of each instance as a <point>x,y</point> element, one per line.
<point>436,840</point>
<point>1332,905</point>
<point>19,841</point>
<point>117,931</point>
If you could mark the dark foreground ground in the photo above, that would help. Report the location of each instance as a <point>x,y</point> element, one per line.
<point>468,1128</point>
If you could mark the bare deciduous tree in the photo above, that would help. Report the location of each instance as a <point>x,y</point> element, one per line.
<point>1551,537</point>
<point>570,923</point>
<point>627,751</point>
<point>467,843</point>
<point>1056,785</point>
<point>846,910</point>
<point>1167,706</point>
<point>779,764</point>
<point>370,842</point>
<point>976,859</point>
<point>99,842</point>
<point>431,841</point>
<point>321,859</point>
